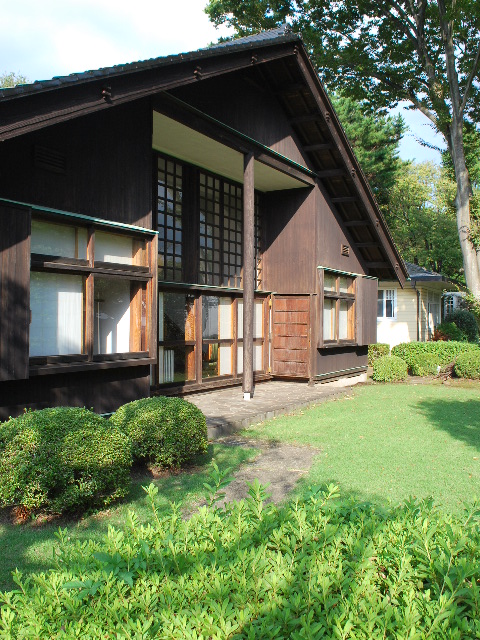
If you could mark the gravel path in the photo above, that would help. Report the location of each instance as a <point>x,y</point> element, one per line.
<point>279,465</point>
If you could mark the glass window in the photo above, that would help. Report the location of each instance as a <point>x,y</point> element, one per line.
<point>338,307</point>
<point>112,314</point>
<point>176,364</point>
<point>56,302</point>
<point>176,319</point>
<point>169,220</point>
<point>51,239</point>
<point>386,303</point>
<point>119,249</point>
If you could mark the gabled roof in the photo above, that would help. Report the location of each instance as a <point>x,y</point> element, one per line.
<point>281,63</point>
<point>415,272</point>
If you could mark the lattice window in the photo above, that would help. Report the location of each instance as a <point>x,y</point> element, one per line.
<point>210,230</point>
<point>169,220</point>
<point>232,234</point>
<point>258,244</point>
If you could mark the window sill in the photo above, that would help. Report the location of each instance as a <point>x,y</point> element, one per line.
<point>336,345</point>
<point>72,367</point>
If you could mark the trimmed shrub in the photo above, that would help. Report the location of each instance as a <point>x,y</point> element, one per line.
<point>425,364</point>
<point>166,431</point>
<point>449,331</point>
<point>389,369</point>
<point>466,322</point>
<point>467,365</point>
<point>445,351</point>
<point>256,570</point>
<point>62,459</point>
<point>376,351</point>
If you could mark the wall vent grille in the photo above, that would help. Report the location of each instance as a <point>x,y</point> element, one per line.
<point>50,159</point>
<point>345,251</point>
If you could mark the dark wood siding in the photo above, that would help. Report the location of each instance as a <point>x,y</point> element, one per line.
<point>340,361</point>
<point>366,301</point>
<point>289,246</point>
<point>102,166</point>
<point>242,103</point>
<point>104,390</point>
<point>291,336</point>
<point>14,292</point>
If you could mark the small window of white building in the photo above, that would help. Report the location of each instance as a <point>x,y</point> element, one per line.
<point>387,304</point>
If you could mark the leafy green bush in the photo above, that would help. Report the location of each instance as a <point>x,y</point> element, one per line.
<point>389,369</point>
<point>376,351</point>
<point>425,364</point>
<point>62,459</point>
<point>166,431</point>
<point>449,331</point>
<point>467,365</point>
<point>324,566</point>
<point>466,322</point>
<point>446,352</point>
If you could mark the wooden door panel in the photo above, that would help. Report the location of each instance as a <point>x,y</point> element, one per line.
<point>290,336</point>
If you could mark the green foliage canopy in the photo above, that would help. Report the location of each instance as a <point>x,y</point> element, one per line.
<point>9,79</point>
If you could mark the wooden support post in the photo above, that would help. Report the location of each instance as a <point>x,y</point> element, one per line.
<point>248,274</point>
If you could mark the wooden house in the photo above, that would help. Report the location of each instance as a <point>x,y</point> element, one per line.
<point>411,313</point>
<point>179,224</point>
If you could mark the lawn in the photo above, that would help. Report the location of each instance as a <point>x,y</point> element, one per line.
<point>389,442</point>
<point>30,546</point>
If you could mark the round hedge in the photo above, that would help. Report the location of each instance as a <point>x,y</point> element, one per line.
<point>376,351</point>
<point>425,364</point>
<point>467,365</point>
<point>62,459</point>
<point>389,369</point>
<point>449,331</point>
<point>466,322</point>
<point>166,431</point>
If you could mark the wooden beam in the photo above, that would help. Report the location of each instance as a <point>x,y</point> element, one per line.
<point>367,245</point>
<point>344,199</point>
<point>31,111</point>
<point>337,134</point>
<point>248,272</point>
<point>331,173</point>
<point>356,223</point>
<point>320,146</point>
<point>379,265</point>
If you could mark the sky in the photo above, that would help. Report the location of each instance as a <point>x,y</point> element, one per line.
<point>47,38</point>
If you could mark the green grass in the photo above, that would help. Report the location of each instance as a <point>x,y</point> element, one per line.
<point>30,546</point>
<point>388,442</point>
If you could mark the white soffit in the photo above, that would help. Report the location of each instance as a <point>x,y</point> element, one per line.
<point>182,142</point>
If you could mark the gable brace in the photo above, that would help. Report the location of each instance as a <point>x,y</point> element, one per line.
<point>59,104</point>
<point>329,118</point>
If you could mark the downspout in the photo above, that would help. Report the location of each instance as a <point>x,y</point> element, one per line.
<point>418,310</point>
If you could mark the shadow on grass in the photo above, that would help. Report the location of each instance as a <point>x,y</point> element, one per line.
<point>30,547</point>
<point>461,420</point>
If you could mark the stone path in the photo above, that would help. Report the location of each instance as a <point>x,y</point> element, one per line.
<point>226,411</point>
<point>278,465</point>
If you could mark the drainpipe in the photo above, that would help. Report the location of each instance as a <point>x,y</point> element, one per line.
<point>418,310</point>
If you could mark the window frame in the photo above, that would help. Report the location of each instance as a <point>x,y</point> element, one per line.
<point>337,297</point>
<point>142,283</point>
<point>198,293</point>
<point>384,305</point>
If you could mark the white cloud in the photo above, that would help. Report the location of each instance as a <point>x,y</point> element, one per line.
<point>53,37</point>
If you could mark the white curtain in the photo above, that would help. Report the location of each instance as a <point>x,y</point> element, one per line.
<point>56,301</point>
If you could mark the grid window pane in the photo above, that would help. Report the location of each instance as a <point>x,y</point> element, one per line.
<point>169,220</point>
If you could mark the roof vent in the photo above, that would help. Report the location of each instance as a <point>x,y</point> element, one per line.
<point>345,251</point>
<point>49,159</point>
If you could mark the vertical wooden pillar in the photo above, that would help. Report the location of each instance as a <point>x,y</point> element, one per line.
<point>248,273</point>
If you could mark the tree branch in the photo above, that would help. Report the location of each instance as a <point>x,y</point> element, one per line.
<point>469,82</point>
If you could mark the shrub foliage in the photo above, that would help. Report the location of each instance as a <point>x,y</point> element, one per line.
<point>449,331</point>
<point>466,322</point>
<point>467,365</point>
<point>446,352</point>
<point>376,351</point>
<point>389,369</point>
<point>320,567</point>
<point>425,364</point>
<point>62,459</point>
<point>166,431</point>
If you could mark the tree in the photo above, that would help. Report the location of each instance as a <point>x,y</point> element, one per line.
<point>421,217</point>
<point>11,79</point>
<point>375,140</point>
<point>426,52</point>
